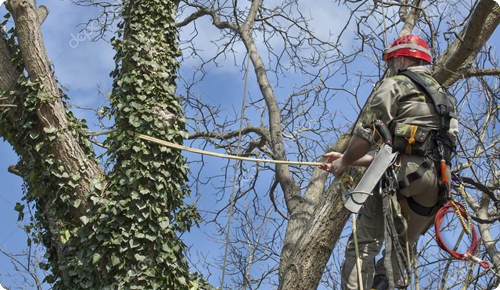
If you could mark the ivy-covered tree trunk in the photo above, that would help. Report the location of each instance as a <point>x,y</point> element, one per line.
<point>143,208</point>
<point>102,231</point>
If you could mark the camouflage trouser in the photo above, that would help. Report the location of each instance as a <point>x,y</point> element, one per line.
<point>371,226</point>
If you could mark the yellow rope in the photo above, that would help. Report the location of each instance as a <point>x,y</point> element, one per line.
<point>464,196</point>
<point>461,218</point>
<point>220,155</point>
<point>411,140</point>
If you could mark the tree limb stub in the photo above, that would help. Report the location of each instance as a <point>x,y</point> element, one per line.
<point>13,169</point>
<point>42,12</point>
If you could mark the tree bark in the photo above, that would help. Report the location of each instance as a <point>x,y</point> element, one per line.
<point>49,120</point>
<point>51,112</point>
<point>485,230</point>
<point>310,240</point>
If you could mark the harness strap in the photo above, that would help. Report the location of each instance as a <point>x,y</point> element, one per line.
<point>443,190</point>
<point>443,105</point>
<point>391,235</point>
<point>422,210</point>
<point>426,165</point>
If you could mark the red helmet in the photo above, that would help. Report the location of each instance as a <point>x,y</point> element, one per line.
<point>408,45</point>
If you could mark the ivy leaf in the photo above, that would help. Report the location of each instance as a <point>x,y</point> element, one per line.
<point>20,209</point>
<point>77,202</point>
<point>98,185</point>
<point>139,258</point>
<point>49,279</point>
<point>65,236</point>
<point>49,130</point>
<point>114,260</point>
<point>134,121</point>
<point>96,258</point>
<point>193,286</point>
<point>182,281</point>
<point>164,224</point>
<point>84,219</point>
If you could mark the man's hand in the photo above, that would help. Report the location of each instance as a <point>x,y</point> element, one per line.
<point>338,167</point>
<point>334,164</point>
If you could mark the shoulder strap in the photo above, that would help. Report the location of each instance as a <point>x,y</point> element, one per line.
<point>440,100</point>
<point>444,106</point>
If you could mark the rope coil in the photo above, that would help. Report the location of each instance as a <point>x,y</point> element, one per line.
<point>460,211</point>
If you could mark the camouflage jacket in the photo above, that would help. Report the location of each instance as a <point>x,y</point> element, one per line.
<point>400,103</point>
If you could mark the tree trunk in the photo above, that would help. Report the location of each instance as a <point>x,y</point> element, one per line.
<point>103,232</point>
<point>309,242</point>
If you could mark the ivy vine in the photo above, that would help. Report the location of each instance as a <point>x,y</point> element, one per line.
<point>127,234</point>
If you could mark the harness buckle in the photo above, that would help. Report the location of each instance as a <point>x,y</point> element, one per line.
<point>440,147</point>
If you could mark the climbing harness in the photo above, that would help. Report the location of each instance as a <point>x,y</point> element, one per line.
<point>382,173</point>
<point>444,103</point>
<point>394,230</point>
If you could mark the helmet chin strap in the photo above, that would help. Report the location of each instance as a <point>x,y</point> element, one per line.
<point>393,69</point>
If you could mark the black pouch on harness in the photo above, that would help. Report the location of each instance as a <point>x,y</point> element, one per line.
<point>412,139</point>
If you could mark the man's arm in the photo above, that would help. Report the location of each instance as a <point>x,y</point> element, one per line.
<point>364,161</point>
<point>356,154</point>
<point>358,147</point>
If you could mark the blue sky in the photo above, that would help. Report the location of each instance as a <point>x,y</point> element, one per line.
<point>84,66</point>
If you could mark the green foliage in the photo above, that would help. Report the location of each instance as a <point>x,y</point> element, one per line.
<point>49,186</point>
<point>134,230</point>
<point>126,235</point>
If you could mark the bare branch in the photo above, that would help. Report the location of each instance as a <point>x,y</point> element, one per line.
<point>412,18</point>
<point>203,11</point>
<point>262,132</point>
<point>480,73</point>
<point>481,24</point>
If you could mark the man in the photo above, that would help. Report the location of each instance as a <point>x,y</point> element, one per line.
<point>422,140</point>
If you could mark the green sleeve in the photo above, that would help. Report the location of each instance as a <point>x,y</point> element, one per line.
<point>383,106</point>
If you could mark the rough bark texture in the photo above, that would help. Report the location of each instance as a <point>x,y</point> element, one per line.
<point>9,73</point>
<point>51,113</point>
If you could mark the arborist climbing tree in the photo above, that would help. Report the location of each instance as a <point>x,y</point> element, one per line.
<point>421,118</point>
